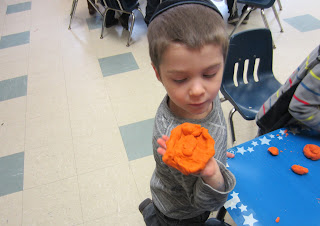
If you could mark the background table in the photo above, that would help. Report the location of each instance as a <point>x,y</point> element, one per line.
<point>266,186</point>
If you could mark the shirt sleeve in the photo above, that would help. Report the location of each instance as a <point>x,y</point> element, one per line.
<point>207,197</point>
<point>305,103</point>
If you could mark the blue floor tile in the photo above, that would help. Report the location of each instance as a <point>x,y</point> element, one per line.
<point>118,64</point>
<point>12,88</point>
<point>137,139</point>
<point>304,23</point>
<point>11,173</point>
<point>15,40</point>
<point>24,6</point>
<point>94,22</point>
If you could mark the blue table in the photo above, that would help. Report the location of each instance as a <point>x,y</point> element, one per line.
<point>266,186</point>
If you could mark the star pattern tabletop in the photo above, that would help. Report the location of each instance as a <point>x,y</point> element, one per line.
<point>248,213</point>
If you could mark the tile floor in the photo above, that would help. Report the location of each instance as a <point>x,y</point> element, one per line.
<point>76,111</point>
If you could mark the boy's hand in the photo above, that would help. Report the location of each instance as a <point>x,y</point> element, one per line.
<point>210,174</point>
<point>163,147</point>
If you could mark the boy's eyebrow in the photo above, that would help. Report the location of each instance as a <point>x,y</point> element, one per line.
<point>211,67</point>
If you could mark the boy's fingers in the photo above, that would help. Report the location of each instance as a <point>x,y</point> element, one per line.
<point>230,155</point>
<point>166,138</point>
<point>161,151</point>
<point>162,142</point>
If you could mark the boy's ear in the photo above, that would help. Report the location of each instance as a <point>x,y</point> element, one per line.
<point>157,73</point>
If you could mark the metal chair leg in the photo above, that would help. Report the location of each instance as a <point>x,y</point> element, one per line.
<point>130,30</point>
<point>277,17</point>
<point>103,22</point>
<point>73,10</point>
<point>233,110</point>
<point>95,7</point>
<point>267,25</point>
<point>140,11</point>
<point>280,5</point>
<point>248,10</point>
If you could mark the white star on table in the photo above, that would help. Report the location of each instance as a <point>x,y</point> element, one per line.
<point>234,206</point>
<point>265,140</point>
<point>249,220</point>
<point>271,136</point>
<point>254,143</point>
<point>282,132</point>
<point>243,208</point>
<point>280,137</point>
<point>241,150</point>
<point>250,149</point>
<point>234,194</point>
<point>232,202</point>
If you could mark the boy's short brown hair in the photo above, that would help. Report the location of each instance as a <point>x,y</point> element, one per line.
<point>193,25</point>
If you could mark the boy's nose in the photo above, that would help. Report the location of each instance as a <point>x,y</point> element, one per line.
<point>196,90</point>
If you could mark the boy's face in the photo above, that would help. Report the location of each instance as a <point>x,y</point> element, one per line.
<point>192,78</point>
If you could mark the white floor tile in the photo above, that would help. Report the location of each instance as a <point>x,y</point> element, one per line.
<point>53,204</point>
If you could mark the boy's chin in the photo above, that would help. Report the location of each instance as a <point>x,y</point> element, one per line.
<point>198,114</point>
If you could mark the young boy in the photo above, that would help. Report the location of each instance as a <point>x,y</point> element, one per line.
<point>187,46</point>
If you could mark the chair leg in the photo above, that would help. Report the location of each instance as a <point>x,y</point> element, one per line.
<point>95,7</point>
<point>140,11</point>
<point>248,10</point>
<point>277,17</point>
<point>73,10</point>
<point>233,110</point>
<point>130,30</point>
<point>103,21</point>
<point>266,24</point>
<point>279,3</point>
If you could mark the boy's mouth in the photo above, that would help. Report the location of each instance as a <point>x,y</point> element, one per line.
<point>198,104</point>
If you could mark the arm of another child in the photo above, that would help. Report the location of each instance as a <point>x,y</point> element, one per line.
<point>211,174</point>
<point>305,104</point>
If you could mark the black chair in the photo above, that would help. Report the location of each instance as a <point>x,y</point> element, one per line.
<point>259,4</point>
<point>248,78</point>
<point>74,7</point>
<point>122,7</point>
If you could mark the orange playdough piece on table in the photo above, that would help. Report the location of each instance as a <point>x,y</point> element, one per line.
<point>273,150</point>
<point>299,169</point>
<point>278,219</point>
<point>189,148</point>
<point>312,151</point>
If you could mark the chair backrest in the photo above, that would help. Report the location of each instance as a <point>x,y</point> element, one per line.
<point>249,57</point>
<point>264,4</point>
<point>248,79</point>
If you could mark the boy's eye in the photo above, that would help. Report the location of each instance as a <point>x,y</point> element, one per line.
<point>180,80</point>
<point>209,76</point>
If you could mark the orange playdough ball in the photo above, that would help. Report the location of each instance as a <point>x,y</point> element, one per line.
<point>189,148</point>
<point>312,151</point>
<point>273,150</point>
<point>299,169</point>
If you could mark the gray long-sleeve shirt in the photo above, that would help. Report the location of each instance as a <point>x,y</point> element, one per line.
<point>179,196</point>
